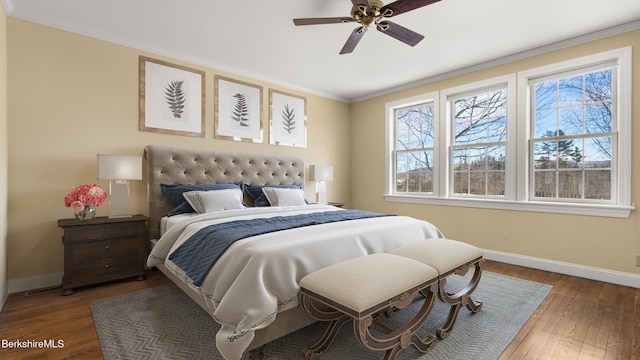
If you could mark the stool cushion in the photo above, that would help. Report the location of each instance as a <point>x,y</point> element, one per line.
<point>364,282</point>
<point>443,255</point>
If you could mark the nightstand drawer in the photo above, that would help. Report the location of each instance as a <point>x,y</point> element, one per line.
<point>99,232</point>
<point>107,248</point>
<point>91,271</point>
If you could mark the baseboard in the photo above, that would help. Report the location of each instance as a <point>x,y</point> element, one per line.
<point>587,272</point>
<point>34,282</point>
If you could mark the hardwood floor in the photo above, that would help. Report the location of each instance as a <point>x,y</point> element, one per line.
<point>580,319</point>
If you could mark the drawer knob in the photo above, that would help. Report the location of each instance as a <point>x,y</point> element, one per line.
<point>107,266</point>
<point>107,247</point>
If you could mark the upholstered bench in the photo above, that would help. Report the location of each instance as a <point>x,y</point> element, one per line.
<point>361,289</point>
<point>449,257</point>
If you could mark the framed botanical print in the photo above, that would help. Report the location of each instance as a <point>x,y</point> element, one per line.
<point>288,119</point>
<point>238,110</point>
<point>172,98</point>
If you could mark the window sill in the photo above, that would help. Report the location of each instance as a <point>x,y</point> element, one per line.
<point>615,211</point>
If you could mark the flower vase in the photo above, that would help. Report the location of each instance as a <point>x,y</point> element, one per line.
<point>88,213</point>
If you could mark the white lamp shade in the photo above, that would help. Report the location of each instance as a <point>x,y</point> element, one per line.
<point>119,167</point>
<point>320,173</point>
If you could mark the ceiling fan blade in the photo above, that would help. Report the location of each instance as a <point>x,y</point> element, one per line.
<point>401,6</point>
<point>319,21</point>
<point>399,32</point>
<point>353,40</point>
<point>360,2</point>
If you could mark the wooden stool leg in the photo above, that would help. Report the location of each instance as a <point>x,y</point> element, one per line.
<point>402,337</point>
<point>328,337</point>
<point>459,299</point>
<point>336,317</point>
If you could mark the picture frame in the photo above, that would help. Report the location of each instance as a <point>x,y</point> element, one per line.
<point>172,98</point>
<point>238,110</point>
<point>287,119</point>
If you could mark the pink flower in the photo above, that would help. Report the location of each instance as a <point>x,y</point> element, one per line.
<point>83,195</point>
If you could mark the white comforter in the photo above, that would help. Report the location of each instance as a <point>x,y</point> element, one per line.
<point>258,277</point>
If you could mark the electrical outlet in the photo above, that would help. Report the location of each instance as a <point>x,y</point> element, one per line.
<point>637,259</point>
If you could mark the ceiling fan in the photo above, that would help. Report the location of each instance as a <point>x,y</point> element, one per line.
<point>373,12</point>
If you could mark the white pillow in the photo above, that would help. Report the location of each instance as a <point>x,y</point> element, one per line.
<point>214,200</point>
<point>283,196</point>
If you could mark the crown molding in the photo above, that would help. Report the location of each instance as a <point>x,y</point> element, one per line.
<point>54,23</point>
<point>60,25</point>
<point>578,40</point>
<point>7,5</point>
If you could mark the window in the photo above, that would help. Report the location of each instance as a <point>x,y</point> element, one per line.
<point>572,135</point>
<point>479,142</point>
<point>575,143</point>
<point>562,144</point>
<point>413,145</point>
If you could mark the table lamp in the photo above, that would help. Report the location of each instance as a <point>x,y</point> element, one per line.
<point>320,174</point>
<point>119,169</point>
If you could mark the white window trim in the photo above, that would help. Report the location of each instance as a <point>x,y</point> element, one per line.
<point>623,205</point>
<point>445,140</point>
<point>390,108</point>
<point>518,200</point>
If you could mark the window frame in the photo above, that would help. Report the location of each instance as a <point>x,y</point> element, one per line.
<point>390,143</point>
<point>620,204</point>
<point>519,127</point>
<point>447,100</point>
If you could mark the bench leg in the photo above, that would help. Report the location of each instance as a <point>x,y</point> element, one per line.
<point>402,337</point>
<point>328,337</point>
<point>319,312</point>
<point>459,299</point>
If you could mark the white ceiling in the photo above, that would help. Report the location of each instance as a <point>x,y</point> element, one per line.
<point>258,39</point>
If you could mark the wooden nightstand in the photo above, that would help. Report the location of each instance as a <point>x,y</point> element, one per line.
<point>103,249</point>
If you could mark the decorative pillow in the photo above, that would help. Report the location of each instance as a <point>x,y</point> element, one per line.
<point>259,199</point>
<point>214,200</point>
<point>184,208</point>
<point>173,193</point>
<point>284,197</point>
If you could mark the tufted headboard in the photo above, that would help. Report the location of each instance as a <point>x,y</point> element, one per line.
<point>172,165</point>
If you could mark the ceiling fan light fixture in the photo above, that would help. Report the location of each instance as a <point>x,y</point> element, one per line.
<point>382,26</point>
<point>373,12</point>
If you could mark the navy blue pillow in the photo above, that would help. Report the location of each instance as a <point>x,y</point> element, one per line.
<point>184,208</point>
<point>255,192</point>
<point>173,193</point>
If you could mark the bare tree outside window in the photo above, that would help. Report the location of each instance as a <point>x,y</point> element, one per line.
<point>572,145</point>
<point>555,138</point>
<point>479,144</point>
<point>414,148</point>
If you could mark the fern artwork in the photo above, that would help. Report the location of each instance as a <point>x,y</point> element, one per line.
<point>240,113</point>
<point>288,119</point>
<point>175,98</point>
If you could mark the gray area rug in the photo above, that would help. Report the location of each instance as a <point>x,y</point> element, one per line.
<point>164,323</point>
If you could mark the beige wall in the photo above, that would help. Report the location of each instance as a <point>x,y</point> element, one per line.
<point>600,242</point>
<point>3,154</point>
<point>72,97</point>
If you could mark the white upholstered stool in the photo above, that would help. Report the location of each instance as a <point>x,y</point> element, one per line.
<point>449,257</point>
<point>362,288</point>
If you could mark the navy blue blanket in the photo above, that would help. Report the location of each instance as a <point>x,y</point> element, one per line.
<point>198,254</point>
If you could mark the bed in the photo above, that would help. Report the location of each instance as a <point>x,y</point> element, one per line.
<point>252,288</point>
